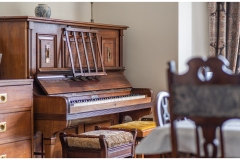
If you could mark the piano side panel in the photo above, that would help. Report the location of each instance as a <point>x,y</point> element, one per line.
<point>145,91</point>
<point>48,128</point>
<point>56,106</point>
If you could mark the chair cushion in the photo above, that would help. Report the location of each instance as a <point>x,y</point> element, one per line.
<point>139,125</point>
<point>113,138</point>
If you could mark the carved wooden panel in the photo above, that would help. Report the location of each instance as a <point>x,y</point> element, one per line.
<point>46,50</point>
<point>109,52</point>
<point>110,47</point>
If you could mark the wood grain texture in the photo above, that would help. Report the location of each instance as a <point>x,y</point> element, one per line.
<point>17,113</point>
<point>114,80</point>
<point>17,126</point>
<point>17,96</point>
<point>30,35</point>
<point>13,46</point>
<point>19,149</point>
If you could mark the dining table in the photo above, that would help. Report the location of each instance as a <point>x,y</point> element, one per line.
<point>159,140</point>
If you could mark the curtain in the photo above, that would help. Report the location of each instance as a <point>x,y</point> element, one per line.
<point>224,21</point>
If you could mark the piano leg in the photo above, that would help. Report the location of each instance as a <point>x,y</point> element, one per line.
<point>49,144</point>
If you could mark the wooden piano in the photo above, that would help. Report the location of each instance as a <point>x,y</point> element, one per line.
<point>78,75</point>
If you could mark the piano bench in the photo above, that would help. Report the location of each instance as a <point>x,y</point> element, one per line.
<point>100,143</point>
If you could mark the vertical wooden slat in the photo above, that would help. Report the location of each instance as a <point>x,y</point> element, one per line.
<point>85,51</point>
<point>100,53</point>
<point>78,52</point>
<point>93,53</point>
<point>70,52</point>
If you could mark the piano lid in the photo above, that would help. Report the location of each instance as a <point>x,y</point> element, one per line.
<point>52,83</point>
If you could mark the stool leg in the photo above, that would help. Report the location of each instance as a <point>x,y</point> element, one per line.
<point>139,156</point>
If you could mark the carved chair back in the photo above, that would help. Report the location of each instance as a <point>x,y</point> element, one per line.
<point>161,108</point>
<point>207,98</point>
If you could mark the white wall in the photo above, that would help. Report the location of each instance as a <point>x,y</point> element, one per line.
<point>193,32</point>
<point>200,29</point>
<point>184,35</point>
<point>150,41</point>
<point>59,10</point>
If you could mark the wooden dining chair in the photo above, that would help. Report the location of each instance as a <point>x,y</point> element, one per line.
<point>162,115</point>
<point>207,98</point>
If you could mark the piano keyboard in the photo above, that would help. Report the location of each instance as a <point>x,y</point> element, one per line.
<point>78,103</point>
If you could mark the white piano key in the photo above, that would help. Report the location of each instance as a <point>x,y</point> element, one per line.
<point>106,100</point>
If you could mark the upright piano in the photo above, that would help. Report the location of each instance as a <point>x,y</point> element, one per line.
<point>78,75</point>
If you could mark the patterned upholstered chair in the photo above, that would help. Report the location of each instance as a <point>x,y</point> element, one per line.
<point>100,143</point>
<point>207,99</point>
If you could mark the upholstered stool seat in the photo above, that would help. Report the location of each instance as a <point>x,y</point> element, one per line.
<point>101,143</point>
<point>113,138</point>
<point>143,127</point>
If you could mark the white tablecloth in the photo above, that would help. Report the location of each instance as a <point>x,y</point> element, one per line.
<point>159,140</point>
